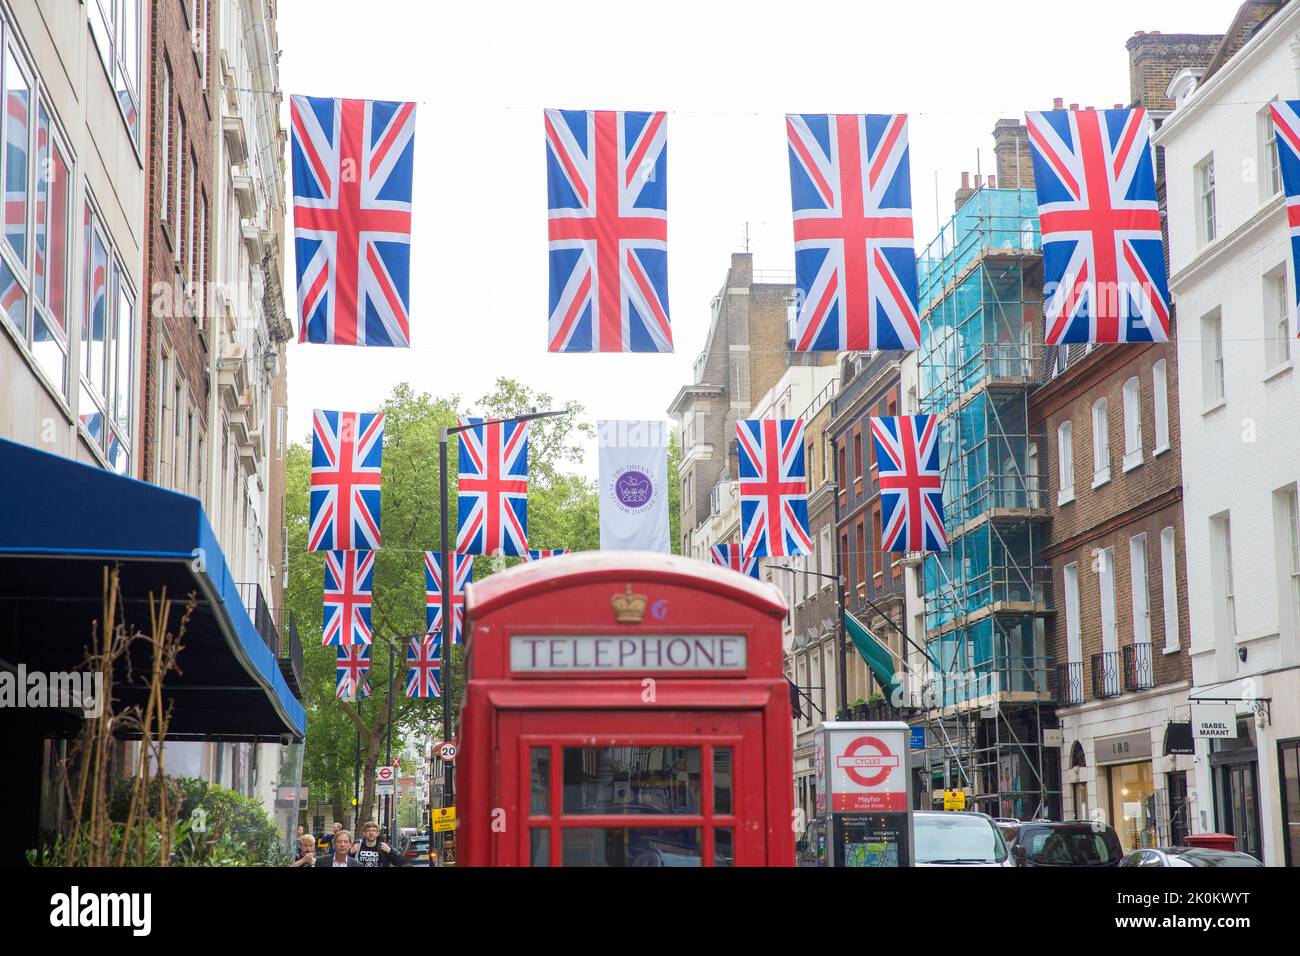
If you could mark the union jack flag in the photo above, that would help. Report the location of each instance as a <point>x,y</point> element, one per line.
<point>548,553</point>
<point>349,577</point>
<point>492,494</point>
<point>1286,124</point>
<point>352,672</point>
<point>347,454</point>
<point>911,491</point>
<point>855,264</point>
<point>773,488</point>
<point>462,573</point>
<point>424,666</point>
<point>352,164</point>
<point>607,193</point>
<point>1103,256</point>
<point>732,556</point>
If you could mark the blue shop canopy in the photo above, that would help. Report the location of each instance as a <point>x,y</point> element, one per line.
<point>62,523</point>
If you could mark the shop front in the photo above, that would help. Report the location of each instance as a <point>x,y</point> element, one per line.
<point>1125,761</point>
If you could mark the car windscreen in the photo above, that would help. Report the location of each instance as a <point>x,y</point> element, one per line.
<point>957,839</point>
<point>1071,846</point>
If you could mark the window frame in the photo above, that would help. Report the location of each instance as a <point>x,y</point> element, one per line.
<point>1137,547</point>
<point>1065,461</point>
<point>1169,588</point>
<point>1132,423</point>
<point>1207,210</point>
<point>110,56</point>
<point>1100,442</point>
<point>1160,405</point>
<point>1277,319</point>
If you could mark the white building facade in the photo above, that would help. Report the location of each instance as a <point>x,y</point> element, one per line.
<point>1232,276</point>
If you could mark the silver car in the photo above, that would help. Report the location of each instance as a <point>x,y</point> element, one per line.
<point>958,839</point>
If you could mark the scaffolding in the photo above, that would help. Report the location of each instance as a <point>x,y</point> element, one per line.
<point>980,284</point>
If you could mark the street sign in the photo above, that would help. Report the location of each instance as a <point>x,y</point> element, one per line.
<point>385,774</point>
<point>385,788</point>
<point>954,799</point>
<point>868,771</point>
<point>443,819</point>
<point>447,752</point>
<point>918,738</point>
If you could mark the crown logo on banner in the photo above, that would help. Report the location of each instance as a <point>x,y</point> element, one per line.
<point>629,608</point>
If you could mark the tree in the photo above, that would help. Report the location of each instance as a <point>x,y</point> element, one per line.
<point>562,513</point>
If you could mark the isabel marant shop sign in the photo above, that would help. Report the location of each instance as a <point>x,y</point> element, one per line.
<point>621,652</point>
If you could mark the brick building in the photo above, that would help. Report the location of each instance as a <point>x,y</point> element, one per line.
<point>177,227</point>
<point>1112,474</point>
<point>745,353</point>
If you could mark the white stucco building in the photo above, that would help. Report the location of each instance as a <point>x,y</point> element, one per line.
<point>1233,280</point>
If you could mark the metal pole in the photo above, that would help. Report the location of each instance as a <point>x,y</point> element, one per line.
<point>447,585</point>
<point>388,760</point>
<point>841,656</point>
<point>356,774</point>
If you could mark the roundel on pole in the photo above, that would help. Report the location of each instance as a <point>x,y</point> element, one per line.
<point>867,761</point>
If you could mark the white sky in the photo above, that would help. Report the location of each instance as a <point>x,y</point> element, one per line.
<point>726,72</point>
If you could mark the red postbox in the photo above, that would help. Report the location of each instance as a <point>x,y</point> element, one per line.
<point>624,709</point>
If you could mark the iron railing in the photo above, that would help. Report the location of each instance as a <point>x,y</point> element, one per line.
<point>1105,674</point>
<point>255,603</point>
<point>290,653</point>
<point>1138,673</point>
<point>1069,682</point>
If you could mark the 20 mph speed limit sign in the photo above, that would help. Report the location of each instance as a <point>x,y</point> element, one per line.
<point>447,751</point>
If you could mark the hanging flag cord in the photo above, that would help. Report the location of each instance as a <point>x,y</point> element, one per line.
<point>798,693</point>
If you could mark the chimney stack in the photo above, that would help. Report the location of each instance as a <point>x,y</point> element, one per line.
<point>1012,159</point>
<point>1058,103</point>
<point>963,194</point>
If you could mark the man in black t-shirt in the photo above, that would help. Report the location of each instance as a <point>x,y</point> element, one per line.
<point>370,851</point>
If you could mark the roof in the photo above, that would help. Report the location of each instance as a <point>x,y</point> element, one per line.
<point>587,567</point>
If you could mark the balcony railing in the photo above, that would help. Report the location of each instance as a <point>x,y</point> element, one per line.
<point>255,603</point>
<point>1069,682</point>
<point>1138,673</point>
<point>1105,674</point>
<point>290,653</point>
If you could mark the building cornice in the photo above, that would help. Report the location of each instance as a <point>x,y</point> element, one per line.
<point>1285,20</point>
<point>692,391</point>
<point>1212,256</point>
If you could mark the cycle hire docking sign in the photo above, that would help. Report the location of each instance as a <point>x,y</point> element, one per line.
<point>867,771</point>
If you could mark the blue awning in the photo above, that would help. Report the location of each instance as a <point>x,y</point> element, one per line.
<point>62,523</point>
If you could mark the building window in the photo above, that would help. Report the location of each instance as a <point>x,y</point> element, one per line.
<point>1288,766</point>
<point>1100,444</point>
<point>1132,423</point>
<point>1221,526</point>
<point>1073,637</point>
<point>862,555</point>
<point>1205,189</point>
<point>846,566</point>
<point>201,289</point>
<point>842,477</point>
<point>1291,563</point>
<point>191,187</point>
<point>165,151</point>
<point>824,553</point>
<point>857,454</point>
<point>108,346</point>
<point>1065,462</point>
<point>1169,588</point>
<point>1141,589</point>
<point>1277,319</point>
<point>877,554</point>
<point>1212,358</point>
<point>179,198</point>
<point>1160,395</point>
<point>1271,181</point>
<point>34,252</point>
<point>115,25</point>
<point>1109,623</point>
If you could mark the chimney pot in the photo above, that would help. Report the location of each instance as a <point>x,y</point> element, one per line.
<point>993,182</point>
<point>1118,106</point>
<point>1139,33</point>
<point>1074,106</point>
<point>965,180</point>
<point>1058,103</point>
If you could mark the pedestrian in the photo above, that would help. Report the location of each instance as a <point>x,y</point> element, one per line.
<point>373,852</point>
<point>342,844</point>
<point>326,844</point>
<point>297,844</point>
<point>306,850</point>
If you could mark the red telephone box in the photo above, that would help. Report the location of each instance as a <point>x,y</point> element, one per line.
<point>624,709</point>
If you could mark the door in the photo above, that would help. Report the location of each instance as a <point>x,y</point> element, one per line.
<point>1241,810</point>
<point>601,788</point>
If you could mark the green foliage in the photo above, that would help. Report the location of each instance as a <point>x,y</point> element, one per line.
<point>216,827</point>
<point>563,512</point>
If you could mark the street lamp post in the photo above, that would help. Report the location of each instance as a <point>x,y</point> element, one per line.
<point>448,585</point>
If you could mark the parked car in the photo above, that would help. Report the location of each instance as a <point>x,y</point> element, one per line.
<point>415,850</point>
<point>1009,827</point>
<point>1188,856</point>
<point>1073,843</point>
<point>958,838</point>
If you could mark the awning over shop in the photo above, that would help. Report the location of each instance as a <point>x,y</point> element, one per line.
<point>62,523</point>
<point>879,660</point>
